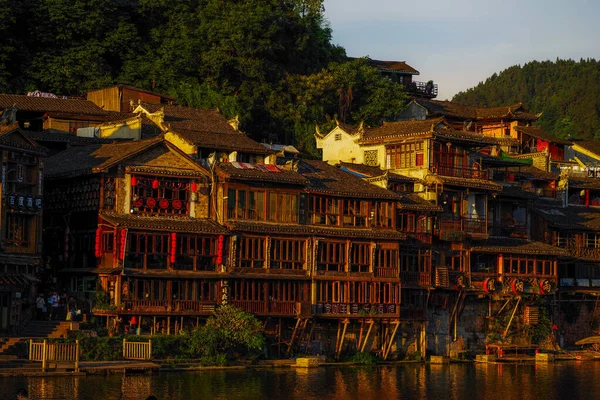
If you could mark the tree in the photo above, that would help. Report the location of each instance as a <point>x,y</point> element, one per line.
<point>228,330</point>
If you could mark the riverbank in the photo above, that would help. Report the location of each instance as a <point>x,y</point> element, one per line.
<point>22,368</point>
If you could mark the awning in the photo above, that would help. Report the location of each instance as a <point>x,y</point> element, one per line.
<point>12,280</point>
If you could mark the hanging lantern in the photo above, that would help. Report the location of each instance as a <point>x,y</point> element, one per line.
<point>173,251</point>
<point>133,181</point>
<point>194,187</point>
<point>177,204</point>
<point>150,202</point>
<point>155,184</point>
<point>163,203</point>
<point>98,247</point>
<point>122,244</point>
<point>220,249</point>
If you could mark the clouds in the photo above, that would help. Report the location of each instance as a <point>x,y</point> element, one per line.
<point>458,43</point>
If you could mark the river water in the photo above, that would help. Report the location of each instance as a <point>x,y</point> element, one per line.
<point>563,380</point>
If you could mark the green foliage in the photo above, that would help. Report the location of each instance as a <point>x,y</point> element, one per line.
<point>102,300</point>
<point>566,92</point>
<point>219,360</point>
<point>269,62</point>
<point>228,330</point>
<point>363,358</point>
<point>543,329</point>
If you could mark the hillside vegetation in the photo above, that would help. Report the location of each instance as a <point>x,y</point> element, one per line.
<point>566,92</point>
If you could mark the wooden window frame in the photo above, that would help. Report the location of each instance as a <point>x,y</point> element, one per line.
<point>332,256</point>
<point>287,254</point>
<point>251,252</point>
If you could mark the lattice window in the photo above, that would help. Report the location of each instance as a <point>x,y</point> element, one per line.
<point>371,158</point>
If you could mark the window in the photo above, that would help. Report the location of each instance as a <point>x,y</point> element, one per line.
<point>287,291</point>
<point>406,155</point>
<point>527,265</point>
<point>371,157</point>
<point>147,250</point>
<point>153,195</point>
<point>386,256</point>
<point>287,254</point>
<point>283,207</point>
<point>18,235</point>
<point>331,256</point>
<point>247,290</point>
<point>251,251</point>
<point>360,257</point>
<point>415,259</point>
<point>382,214</point>
<point>338,136</point>
<point>21,173</point>
<point>196,253</point>
<point>355,213</point>
<point>324,210</point>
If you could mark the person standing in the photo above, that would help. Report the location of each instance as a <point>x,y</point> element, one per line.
<point>54,305</point>
<point>40,305</point>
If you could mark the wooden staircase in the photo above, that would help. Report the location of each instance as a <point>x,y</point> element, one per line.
<point>7,344</point>
<point>46,329</point>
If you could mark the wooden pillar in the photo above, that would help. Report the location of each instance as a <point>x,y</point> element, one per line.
<point>139,327</point>
<point>153,332</point>
<point>168,325</point>
<point>423,340</point>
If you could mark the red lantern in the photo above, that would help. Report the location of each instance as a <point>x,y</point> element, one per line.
<point>163,203</point>
<point>137,203</point>
<point>177,204</point>
<point>133,181</point>
<point>98,247</point>
<point>155,184</point>
<point>220,249</point>
<point>123,242</point>
<point>150,202</point>
<point>194,187</point>
<point>173,251</point>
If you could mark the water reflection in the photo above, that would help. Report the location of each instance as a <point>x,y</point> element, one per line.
<point>570,380</point>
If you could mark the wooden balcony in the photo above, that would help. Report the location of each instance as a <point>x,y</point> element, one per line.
<point>167,306</point>
<point>459,224</point>
<point>415,278</point>
<point>459,172</point>
<point>423,89</point>
<point>271,271</point>
<point>577,248</point>
<point>386,272</point>
<point>260,307</point>
<point>419,238</point>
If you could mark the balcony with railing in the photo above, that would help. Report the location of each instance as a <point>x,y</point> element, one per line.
<point>261,307</point>
<point>383,272</point>
<point>415,278</point>
<point>460,172</point>
<point>178,307</point>
<point>577,248</point>
<point>423,89</point>
<point>460,224</point>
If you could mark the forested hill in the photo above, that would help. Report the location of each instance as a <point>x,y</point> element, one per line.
<point>271,62</point>
<point>566,92</point>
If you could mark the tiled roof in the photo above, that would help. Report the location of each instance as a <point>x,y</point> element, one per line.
<point>460,111</point>
<point>233,141</point>
<point>349,129</point>
<point>400,129</point>
<point>537,132</point>
<point>47,104</point>
<point>393,66</point>
<point>62,137</point>
<point>192,119</point>
<point>314,230</point>
<point>136,89</point>
<point>515,190</point>
<point>368,171</point>
<point>326,179</point>
<point>82,160</point>
<point>464,137</point>
<point>516,246</point>
<point>249,172</point>
<point>593,146</point>
<point>584,183</point>
<point>165,224</point>
<point>412,201</point>
<point>531,172</point>
<point>7,139</point>
<point>463,182</point>
<point>576,218</point>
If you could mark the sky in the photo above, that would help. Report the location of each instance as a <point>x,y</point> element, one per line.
<point>459,43</point>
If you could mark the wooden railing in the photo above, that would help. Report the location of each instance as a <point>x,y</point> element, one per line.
<point>54,352</point>
<point>419,237</point>
<point>146,305</point>
<point>415,278</point>
<point>459,224</point>
<point>283,307</point>
<point>193,306</point>
<point>577,248</point>
<point>425,89</point>
<point>381,272</point>
<point>137,350</point>
<point>459,172</point>
<point>251,306</point>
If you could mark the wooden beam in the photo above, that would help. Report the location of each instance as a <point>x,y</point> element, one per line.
<point>294,335</point>
<point>341,345</point>
<point>389,346</point>
<point>367,336</point>
<point>511,318</point>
